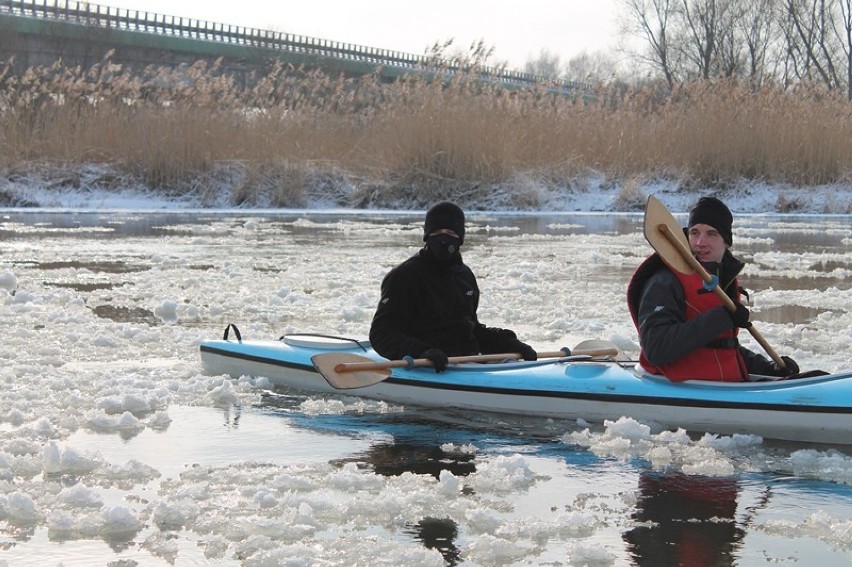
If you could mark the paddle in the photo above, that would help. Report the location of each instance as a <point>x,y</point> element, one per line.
<point>666,237</point>
<point>346,371</point>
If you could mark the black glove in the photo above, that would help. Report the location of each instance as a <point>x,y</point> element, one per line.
<point>438,358</point>
<point>740,316</point>
<point>527,352</point>
<point>790,367</point>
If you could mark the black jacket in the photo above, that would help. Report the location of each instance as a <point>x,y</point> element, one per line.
<point>656,302</point>
<point>426,304</point>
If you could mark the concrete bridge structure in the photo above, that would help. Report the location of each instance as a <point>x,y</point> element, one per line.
<point>38,32</point>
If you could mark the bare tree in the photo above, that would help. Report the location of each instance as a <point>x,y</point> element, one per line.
<point>595,67</point>
<point>794,40</point>
<point>547,65</point>
<point>755,25</point>
<point>809,41</point>
<point>843,29</point>
<point>702,21</point>
<point>649,20</point>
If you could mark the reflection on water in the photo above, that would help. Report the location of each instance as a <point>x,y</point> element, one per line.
<point>121,314</point>
<point>439,534</point>
<point>81,286</point>
<point>685,520</point>
<point>783,314</point>
<point>115,267</point>
<point>397,457</point>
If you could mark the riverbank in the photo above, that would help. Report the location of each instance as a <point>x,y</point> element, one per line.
<point>193,137</point>
<point>104,187</point>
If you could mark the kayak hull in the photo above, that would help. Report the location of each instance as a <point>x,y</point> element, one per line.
<point>817,410</point>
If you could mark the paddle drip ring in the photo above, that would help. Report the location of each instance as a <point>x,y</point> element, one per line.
<point>712,284</point>
<point>409,362</point>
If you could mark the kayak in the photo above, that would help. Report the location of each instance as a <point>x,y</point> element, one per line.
<point>814,410</point>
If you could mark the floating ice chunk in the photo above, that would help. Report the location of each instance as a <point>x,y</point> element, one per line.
<point>263,383</point>
<point>133,471</point>
<point>120,519</point>
<point>732,443</point>
<point>828,465</point>
<point>355,314</point>
<point>23,297</point>
<point>710,467</point>
<point>56,459</point>
<point>40,428</point>
<point>166,311</point>
<point>265,499</point>
<point>81,497</point>
<point>103,341</point>
<point>125,422</point>
<point>820,525</point>
<point>448,483</point>
<point>15,417</point>
<point>18,506</point>
<point>8,281</point>
<point>503,474</point>
<point>173,516</point>
<point>293,482</point>
<point>132,403</point>
<point>350,477</point>
<point>61,521</point>
<point>222,395</point>
<point>627,428</point>
<point>589,555</point>
<point>490,550</point>
<point>160,420</point>
<point>660,457</point>
<point>469,449</point>
<point>283,292</point>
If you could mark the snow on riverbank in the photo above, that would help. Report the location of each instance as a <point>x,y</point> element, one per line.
<point>104,188</point>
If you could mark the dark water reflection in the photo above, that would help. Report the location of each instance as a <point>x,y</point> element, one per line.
<point>439,534</point>
<point>685,520</point>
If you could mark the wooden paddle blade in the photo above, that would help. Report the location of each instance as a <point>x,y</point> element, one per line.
<point>598,347</point>
<point>327,364</point>
<point>657,214</point>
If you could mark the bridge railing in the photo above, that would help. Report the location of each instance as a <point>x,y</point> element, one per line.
<point>89,14</point>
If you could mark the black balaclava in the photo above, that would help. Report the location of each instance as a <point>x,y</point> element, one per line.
<point>444,248</point>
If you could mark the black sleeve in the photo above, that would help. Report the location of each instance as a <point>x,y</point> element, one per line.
<point>392,314</point>
<point>664,332</point>
<point>757,363</point>
<point>491,340</point>
<point>494,340</point>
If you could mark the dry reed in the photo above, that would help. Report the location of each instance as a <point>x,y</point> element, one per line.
<point>413,140</point>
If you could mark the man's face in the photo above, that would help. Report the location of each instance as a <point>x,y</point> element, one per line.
<point>706,243</point>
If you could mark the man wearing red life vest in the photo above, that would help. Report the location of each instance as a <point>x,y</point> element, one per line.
<point>685,331</point>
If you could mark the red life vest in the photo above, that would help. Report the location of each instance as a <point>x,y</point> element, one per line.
<point>706,363</point>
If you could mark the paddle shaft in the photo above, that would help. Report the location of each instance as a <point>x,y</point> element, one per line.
<point>686,253</point>
<point>358,366</point>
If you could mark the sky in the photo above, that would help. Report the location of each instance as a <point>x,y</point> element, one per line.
<point>517,31</point>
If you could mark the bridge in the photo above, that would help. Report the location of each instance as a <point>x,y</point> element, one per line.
<point>38,32</point>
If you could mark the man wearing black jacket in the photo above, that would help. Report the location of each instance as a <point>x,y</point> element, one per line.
<point>429,302</point>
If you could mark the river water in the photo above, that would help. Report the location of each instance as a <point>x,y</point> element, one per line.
<point>116,449</point>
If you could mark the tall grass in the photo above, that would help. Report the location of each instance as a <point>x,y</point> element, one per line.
<point>412,140</point>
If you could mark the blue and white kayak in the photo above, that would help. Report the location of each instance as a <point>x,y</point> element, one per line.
<point>817,409</point>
